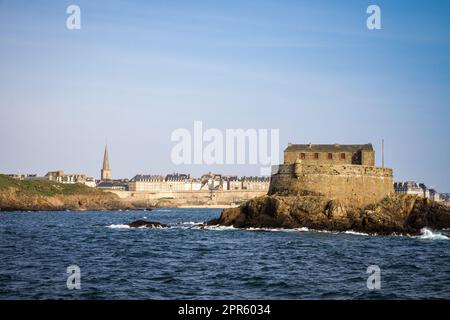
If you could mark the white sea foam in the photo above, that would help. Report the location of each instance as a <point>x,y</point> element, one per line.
<point>119,226</point>
<point>305,229</point>
<point>220,228</point>
<point>125,226</point>
<point>302,229</point>
<point>190,223</point>
<point>356,233</point>
<point>427,234</point>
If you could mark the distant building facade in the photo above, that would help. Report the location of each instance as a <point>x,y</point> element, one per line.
<point>208,182</point>
<point>61,177</point>
<point>120,185</point>
<point>234,183</point>
<point>23,176</point>
<point>90,182</point>
<point>417,189</point>
<point>158,183</point>
<point>255,183</point>
<point>148,183</point>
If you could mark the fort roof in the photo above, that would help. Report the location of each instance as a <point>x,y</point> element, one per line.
<point>328,147</point>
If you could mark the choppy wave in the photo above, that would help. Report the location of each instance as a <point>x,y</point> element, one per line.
<point>162,256</point>
<point>427,234</point>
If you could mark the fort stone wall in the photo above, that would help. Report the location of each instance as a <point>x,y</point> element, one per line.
<point>354,185</point>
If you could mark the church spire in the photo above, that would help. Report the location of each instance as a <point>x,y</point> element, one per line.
<point>106,171</point>
<point>106,159</point>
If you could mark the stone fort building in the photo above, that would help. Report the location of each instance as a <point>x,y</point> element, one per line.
<point>330,154</point>
<point>340,172</point>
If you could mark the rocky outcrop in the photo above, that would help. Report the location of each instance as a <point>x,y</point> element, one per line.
<point>147,224</point>
<point>401,214</point>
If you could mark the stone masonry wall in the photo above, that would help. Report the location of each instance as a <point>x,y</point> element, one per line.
<point>364,157</point>
<point>354,185</point>
<point>368,158</point>
<point>189,198</point>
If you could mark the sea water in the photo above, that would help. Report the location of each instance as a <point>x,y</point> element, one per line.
<point>187,261</point>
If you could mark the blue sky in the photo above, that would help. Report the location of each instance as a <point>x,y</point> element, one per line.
<point>137,70</point>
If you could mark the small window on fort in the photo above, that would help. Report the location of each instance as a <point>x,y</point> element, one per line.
<point>302,156</point>
<point>342,156</point>
<point>330,156</point>
<point>316,156</point>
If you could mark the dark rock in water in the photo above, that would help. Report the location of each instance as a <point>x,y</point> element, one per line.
<point>147,224</point>
<point>403,214</point>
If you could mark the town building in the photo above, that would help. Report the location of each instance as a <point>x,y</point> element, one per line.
<point>177,182</point>
<point>158,183</point>
<point>212,181</point>
<point>234,183</point>
<point>149,183</point>
<point>61,177</point>
<point>208,182</point>
<point>417,189</point>
<point>90,182</point>
<point>255,183</point>
<point>120,185</point>
<point>23,176</point>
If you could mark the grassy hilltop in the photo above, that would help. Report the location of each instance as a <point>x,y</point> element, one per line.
<point>44,187</point>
